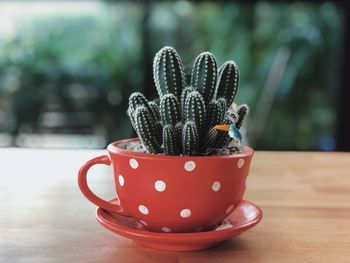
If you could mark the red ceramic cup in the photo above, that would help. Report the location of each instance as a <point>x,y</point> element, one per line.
<point>172,193</point>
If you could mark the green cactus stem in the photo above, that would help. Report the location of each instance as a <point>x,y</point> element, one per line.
<point>209,142</point>
<point>178,130</point>
<point>190,139</point>
<point>131,117</point>
<point>216,112</point>
<point>241,112</point>
<point>222,138</point>
<point>159,131</point>
<point>184,96</point>
<point>195,110</point>
<point>170,112</point>
<point>146,129</point>
<point>137,99</point>
<point>228,81</point>
<point>168,73</point>
<point>204,75</point>
<point>154,110</point>
<point>170,140</point>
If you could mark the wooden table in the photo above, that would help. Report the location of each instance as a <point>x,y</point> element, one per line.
<point>305,198</point>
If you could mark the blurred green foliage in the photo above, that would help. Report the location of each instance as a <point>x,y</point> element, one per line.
<point>288,54</point>
<point>76,64</point>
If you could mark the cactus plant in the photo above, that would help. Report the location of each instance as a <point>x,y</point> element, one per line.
<point>182,120</point>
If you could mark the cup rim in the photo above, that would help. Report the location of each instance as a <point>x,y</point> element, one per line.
<point>114,149</point>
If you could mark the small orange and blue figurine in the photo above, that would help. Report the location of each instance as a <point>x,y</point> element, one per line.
<point>233,132</point>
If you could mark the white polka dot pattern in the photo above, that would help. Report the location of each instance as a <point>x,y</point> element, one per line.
<point>216,186</point>
<point>185,213</point>
<point>143,210</point>
<point>190,166</point>
<point>133,163</point>
<point>160,186</point>
<point>240,163</point>
<point>121,180</point>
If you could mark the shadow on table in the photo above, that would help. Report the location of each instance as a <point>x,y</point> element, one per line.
<point>233,250</point>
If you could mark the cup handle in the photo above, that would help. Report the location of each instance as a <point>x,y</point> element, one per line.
<point>84,187</point>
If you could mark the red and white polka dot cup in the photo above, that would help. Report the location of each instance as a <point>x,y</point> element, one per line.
<point>172,193</point>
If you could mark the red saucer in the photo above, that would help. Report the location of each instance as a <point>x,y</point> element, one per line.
<point>244,217</point>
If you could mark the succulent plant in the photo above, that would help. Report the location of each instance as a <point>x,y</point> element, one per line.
<point>182,121</point>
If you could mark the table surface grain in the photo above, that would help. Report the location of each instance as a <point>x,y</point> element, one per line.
<point>305,198</point>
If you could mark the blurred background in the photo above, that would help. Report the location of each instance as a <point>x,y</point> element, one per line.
<point>67,68</point>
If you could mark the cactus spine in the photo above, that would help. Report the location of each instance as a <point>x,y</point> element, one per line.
<point>181,121</point>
